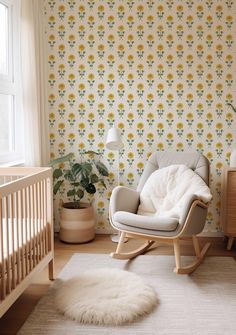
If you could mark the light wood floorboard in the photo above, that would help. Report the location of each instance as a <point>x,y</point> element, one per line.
<point>11,322</point>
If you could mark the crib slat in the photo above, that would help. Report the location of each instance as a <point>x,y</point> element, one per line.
<point>32,220</point>
<point>13,237</point>
<point>45,216</point>
<point>27,232</point>
<point>40,220</point>
<point>17,237</point>
<point>8,287</point>
<point>2,260</point>
<point>42,217</point>
<point>37,231</point>
<point>23,247</point>
<point>29,219</point>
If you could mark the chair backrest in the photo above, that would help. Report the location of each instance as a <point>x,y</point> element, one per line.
<point>195,161</point>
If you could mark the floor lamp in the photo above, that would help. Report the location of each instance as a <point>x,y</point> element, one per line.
<point>114,143</point>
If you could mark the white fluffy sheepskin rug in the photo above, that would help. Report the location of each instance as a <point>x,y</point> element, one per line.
<point>105,296</point>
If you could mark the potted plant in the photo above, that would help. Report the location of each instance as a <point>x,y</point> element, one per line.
<point>77,223</point>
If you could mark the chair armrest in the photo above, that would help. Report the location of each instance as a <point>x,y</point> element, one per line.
<point>124,199</point>
<point>194,217</point>
<point>187,205</point>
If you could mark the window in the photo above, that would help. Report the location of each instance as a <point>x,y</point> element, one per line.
<point>10,103</point>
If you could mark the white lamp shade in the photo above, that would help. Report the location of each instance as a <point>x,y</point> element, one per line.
<point>113,139</point>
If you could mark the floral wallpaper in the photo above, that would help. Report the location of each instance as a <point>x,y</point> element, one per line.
<point>162,71</point>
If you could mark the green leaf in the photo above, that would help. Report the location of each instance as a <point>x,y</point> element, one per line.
<point>68,175</point>
<point>71,193</point>
<point>91,189</point>
<point>102,169</point>
<point>76,169</point>
<point>57,173</point>
<point>80,193</point>
<point>61,159</point>
<point>84,182</point>
<point>57,186</point>
<point>75,184</point>
<point>86,169</point>
<point>94,178</point>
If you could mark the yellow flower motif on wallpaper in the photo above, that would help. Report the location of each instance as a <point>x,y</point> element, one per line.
<point>81,125</point>
<point>160,146</point>
<point>140,145</point>
<point>110,117</point>
<point>130,116</point>
<point>150,58</point>
<point>130,136</point>
<point>81,146</point>
<point>101,125</point>
<point>140,165</point>
<point>52,155</point>
<point>51,18</point>
<point>121,126</point>
<point>61,125</point>
<point>61,145</point>
<point>179,146</point>
<point>71,58</point>
<point>101,145</point>
<point>140,125</point>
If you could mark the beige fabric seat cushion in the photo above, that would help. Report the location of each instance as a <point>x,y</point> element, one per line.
<point>147,222</point>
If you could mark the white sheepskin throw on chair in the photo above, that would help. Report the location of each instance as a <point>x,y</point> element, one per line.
<point>105,296</point>
<point>167,189</point>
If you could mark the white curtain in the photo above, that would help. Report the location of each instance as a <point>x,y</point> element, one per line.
<point>33,83</point>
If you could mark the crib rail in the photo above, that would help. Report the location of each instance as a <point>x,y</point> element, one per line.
<point>26,225</point>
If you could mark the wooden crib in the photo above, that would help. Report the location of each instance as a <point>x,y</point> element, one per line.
<point>26,229</point>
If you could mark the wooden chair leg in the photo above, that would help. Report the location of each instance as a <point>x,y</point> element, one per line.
<point>200,254</point>
<point>120,243</point>
<point>51,270</point>
<point>196,246</point>
<point>177,255</point>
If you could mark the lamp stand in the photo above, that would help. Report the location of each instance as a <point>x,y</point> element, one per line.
<point>114,143</point>
<point>116,236</point>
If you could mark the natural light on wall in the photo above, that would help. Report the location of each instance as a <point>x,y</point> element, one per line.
<point>5,100</point>
<point>3,39</point>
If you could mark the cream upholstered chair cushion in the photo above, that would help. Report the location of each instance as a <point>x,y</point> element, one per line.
<point>149,223</point>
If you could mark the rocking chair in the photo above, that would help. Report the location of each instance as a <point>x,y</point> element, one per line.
<point>124,205</point>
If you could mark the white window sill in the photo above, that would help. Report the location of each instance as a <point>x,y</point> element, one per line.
<point>19,162</point>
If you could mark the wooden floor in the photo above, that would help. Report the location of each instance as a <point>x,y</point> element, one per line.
<point>11,322</point>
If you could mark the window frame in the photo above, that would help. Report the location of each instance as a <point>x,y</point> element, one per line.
<point>10,85</point>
